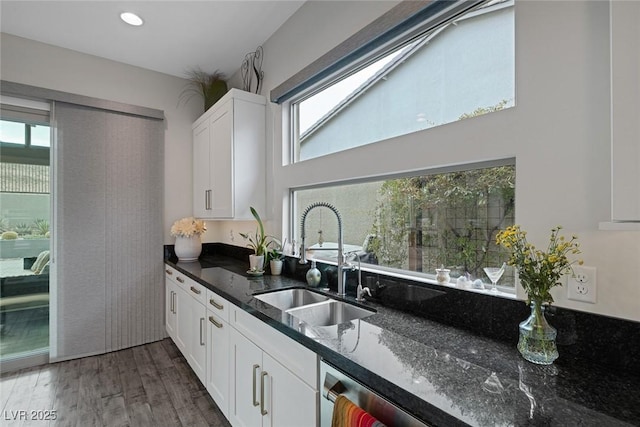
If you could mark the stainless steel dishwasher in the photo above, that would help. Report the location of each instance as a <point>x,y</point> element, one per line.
<point>336,382</point>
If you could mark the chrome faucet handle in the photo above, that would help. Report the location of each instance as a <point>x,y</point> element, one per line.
<point>348,258</point>
<point>360,293</point>
<point>347,265</point>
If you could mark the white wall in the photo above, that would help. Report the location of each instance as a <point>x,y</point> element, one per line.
<point>37,64</point>
<point>559,133</point>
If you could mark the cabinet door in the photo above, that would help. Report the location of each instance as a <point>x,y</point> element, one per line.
<point>625,110</point>
<point>201,177</point>
<point>246,368</point>
<point>221,160</point>
<point>170,317</point>
<point>182,308</point>
<point>288,400</point>
<point>197,356</point>
<point>218,349</point>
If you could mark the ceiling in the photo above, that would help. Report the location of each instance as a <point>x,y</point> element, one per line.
<point>177,36</point>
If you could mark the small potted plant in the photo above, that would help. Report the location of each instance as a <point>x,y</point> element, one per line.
<point>187,232</point>
<point>275,257</point>
<point>209,86</point>
<point>259,242</point>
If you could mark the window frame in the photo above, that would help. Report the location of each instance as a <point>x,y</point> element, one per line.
<point>291,175</point>
<point>374,52</point>
<point>422,277</point>
<point>27,113</point>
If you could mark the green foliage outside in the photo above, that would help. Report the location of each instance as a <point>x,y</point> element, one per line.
<point>4,225</point>
<point>38,229</point>
<point>448,219</point>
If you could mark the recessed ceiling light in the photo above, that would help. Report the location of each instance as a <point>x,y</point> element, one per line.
<point>131,19</point>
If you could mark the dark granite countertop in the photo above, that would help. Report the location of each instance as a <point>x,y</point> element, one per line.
<point>441,374</point>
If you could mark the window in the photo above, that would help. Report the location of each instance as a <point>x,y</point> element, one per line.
<point>24,134</point>
<point>417,223</point>
<point>25,242</point>
<point>12,132</point>
<point>462,69</point>
<point>413,213</point>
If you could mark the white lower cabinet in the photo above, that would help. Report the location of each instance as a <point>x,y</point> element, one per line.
<point>185,320</point>
<point>289,400</point>
<point>257,376</point>
<point>197,344</point>
<point>183,329</point>
<point>170,312</point>
<point>265,393</point>
<point>218,345</point>
<point>246,364</point>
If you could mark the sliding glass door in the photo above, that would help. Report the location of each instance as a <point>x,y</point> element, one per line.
<point>25,201</point>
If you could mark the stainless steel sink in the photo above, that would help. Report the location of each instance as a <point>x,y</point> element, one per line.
<point>329,313</point>
<point>291,298</point>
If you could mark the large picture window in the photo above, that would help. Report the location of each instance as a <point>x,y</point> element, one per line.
<point>462,69</point>
<point>402,216</point>
<point>417,223</point>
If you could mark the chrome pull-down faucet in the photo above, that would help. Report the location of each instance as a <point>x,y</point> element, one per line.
<point>341,258</point>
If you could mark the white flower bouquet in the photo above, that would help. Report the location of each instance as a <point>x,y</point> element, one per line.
<point>188,227</point>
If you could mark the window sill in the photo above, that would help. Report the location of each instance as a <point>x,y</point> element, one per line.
<point>503,291</point>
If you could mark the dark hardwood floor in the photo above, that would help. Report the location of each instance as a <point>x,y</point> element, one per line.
<point>149,385</point>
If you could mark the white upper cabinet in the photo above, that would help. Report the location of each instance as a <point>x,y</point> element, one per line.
<point>229,158</point>
<point>625,110</point>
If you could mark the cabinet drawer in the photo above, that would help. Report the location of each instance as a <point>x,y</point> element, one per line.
<point>301,361</point>
<point>196,290</point>
<point>218,305</point>
<point>191,287</point>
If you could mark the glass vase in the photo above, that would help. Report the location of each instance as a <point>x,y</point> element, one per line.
<point>537,342</point>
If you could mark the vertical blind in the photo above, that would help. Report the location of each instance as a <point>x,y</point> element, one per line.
<point>108,224</point>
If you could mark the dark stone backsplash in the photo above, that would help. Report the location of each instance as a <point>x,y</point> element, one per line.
<point>583,338</point>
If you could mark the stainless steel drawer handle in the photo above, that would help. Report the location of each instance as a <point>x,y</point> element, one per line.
<point>217,324</point>
<point>169,272</point>
<point>180,279</point>
<point>255,369</point>
<point>207,200</point>
<point>173,302</point>
<point>201,330</point>
<point>262,377</point>
<point>195,290</point>
<point>215,304</point>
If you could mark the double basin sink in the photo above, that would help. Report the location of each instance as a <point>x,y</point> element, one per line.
<point>313,308</point>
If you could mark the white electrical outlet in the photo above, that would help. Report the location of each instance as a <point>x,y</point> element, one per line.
<point>582,284</point>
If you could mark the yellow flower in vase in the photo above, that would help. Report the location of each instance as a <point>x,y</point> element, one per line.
<point>539,271</point>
